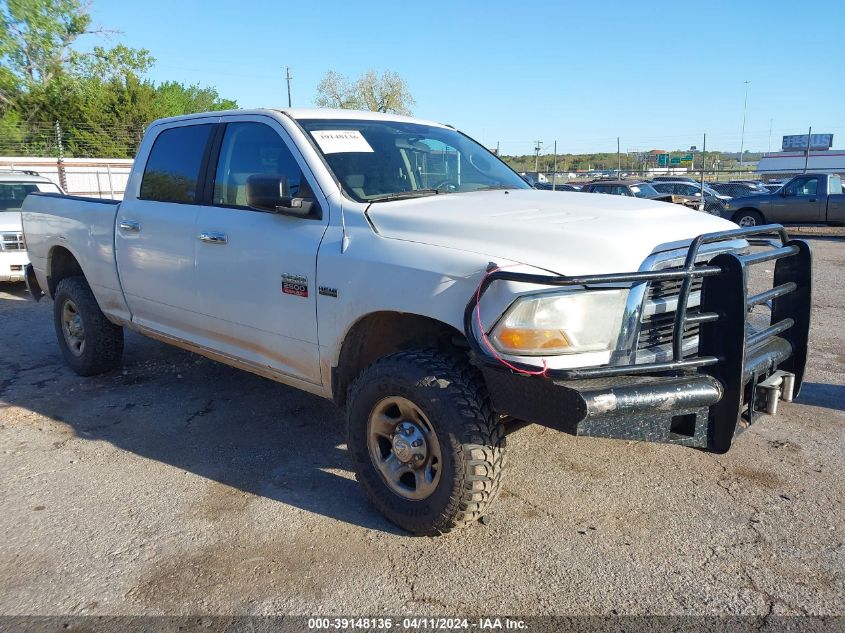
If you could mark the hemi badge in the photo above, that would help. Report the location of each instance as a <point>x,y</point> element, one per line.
<point>328,292</point>
<point>296,285</point>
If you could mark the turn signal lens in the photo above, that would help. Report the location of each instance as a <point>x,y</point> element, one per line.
<point>533,339</point>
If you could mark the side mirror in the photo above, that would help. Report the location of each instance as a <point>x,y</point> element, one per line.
<point>271,194</point>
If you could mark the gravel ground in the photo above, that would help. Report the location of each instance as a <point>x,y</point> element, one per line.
<point>181,486</point>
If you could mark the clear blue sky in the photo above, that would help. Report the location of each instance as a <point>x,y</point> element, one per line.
<point>656,74</point>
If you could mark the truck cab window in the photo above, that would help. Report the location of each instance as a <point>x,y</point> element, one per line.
<point>173,168</point>
<point>802,187</point>
<point>254,148</point>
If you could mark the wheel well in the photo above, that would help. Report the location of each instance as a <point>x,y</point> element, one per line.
<point>62,264</point>
<point>745,209</point>
<point>382,333</point>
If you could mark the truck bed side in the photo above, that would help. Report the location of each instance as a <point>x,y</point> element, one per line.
<point>63,231</point>
<point>836,208</point>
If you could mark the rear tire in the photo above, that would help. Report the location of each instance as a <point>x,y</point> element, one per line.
<point>439,405</point>
<point>749,217</point>
<point>90,343</point>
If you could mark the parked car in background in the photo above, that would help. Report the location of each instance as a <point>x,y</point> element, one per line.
<point>805,199</point>
<point>14,187</point>
<point>641,189</point>
<point>737,189</point>
<point>771,187</point>
<point>713,200</point>
<point>547,186</point>
<point>759,185</point>
<point>673,179</point>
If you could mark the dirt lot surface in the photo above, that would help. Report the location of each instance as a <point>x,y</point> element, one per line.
<point>180,486</point>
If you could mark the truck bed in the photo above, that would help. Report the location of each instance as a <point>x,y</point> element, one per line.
<point>84,227</point>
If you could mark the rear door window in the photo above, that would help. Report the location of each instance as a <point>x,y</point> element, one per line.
<point>172,173</point>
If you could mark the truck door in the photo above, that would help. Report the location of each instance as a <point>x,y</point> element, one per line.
<point>801,200</point>
<point>155,230</point>
<point>256,286</point>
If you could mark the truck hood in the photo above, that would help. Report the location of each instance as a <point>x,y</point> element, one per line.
<point>566,233</point>
<point>10,222</point>
<point>752,200</point>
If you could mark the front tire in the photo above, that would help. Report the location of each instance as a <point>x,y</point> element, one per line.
<point>90,343</point>
<point>427,448</point>
<point>748,217</point>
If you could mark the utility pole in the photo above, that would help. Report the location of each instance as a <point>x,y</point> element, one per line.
<point>807,157</point>
<point>554,171</point>
<point>537,148</point>
<point>288,78</point>
<point>60,162</point>
<point>770,133</point>
<point>703,164</point>
<point>618,160</point>
<point>742,141</point>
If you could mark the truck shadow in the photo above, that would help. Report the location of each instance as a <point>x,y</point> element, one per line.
<point>13,291</point>
<point>818,235</point>
<point>196,415</point>
<point>817,394</point>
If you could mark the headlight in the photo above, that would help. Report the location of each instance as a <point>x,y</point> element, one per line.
<point>570,323</point>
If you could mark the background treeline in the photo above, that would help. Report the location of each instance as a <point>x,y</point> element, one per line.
<point>609,160</point>
<point>98,98</point>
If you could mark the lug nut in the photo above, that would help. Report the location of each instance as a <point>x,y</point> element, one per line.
<point>407,430</point>
<point>416,443</point>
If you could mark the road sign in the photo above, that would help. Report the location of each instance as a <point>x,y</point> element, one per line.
<point>676,160</point>
<point>662,160</point>
<point>686,158</point>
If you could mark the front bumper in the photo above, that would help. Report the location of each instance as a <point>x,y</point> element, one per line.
<point>702,401</point>
<point>12,265</point>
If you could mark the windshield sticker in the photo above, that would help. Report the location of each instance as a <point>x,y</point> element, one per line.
<point>337,141</point>
<point>635,189</point>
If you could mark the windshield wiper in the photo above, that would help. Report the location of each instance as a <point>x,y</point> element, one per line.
<point>404,195</point>
<point>493,188</point>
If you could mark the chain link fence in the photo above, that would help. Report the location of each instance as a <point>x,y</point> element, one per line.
<point>62,139</point>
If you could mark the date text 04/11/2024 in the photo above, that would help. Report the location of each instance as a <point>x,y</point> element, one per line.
<point>412,623</point>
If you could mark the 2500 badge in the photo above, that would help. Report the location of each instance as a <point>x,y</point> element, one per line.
<point>296,285</point>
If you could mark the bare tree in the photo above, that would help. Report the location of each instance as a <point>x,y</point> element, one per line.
<point>380,93</point>
<point>335,91</point>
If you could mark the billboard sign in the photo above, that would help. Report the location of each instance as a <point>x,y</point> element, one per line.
<point>799,141</point>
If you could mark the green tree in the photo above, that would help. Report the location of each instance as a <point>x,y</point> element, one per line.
<point>99,97</point>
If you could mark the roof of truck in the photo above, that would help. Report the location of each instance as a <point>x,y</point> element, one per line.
<point>308,113</point>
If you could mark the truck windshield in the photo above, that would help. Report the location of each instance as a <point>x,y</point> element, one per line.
<point>388,160</point>
<point>644,190</point>
<point>12,194</point>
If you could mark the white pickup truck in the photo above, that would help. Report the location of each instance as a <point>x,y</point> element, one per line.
<point>15,186</point>
<point>399,268</point>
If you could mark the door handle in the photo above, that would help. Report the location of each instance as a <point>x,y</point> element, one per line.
<point>130,226</point>
<point>211,237</point>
